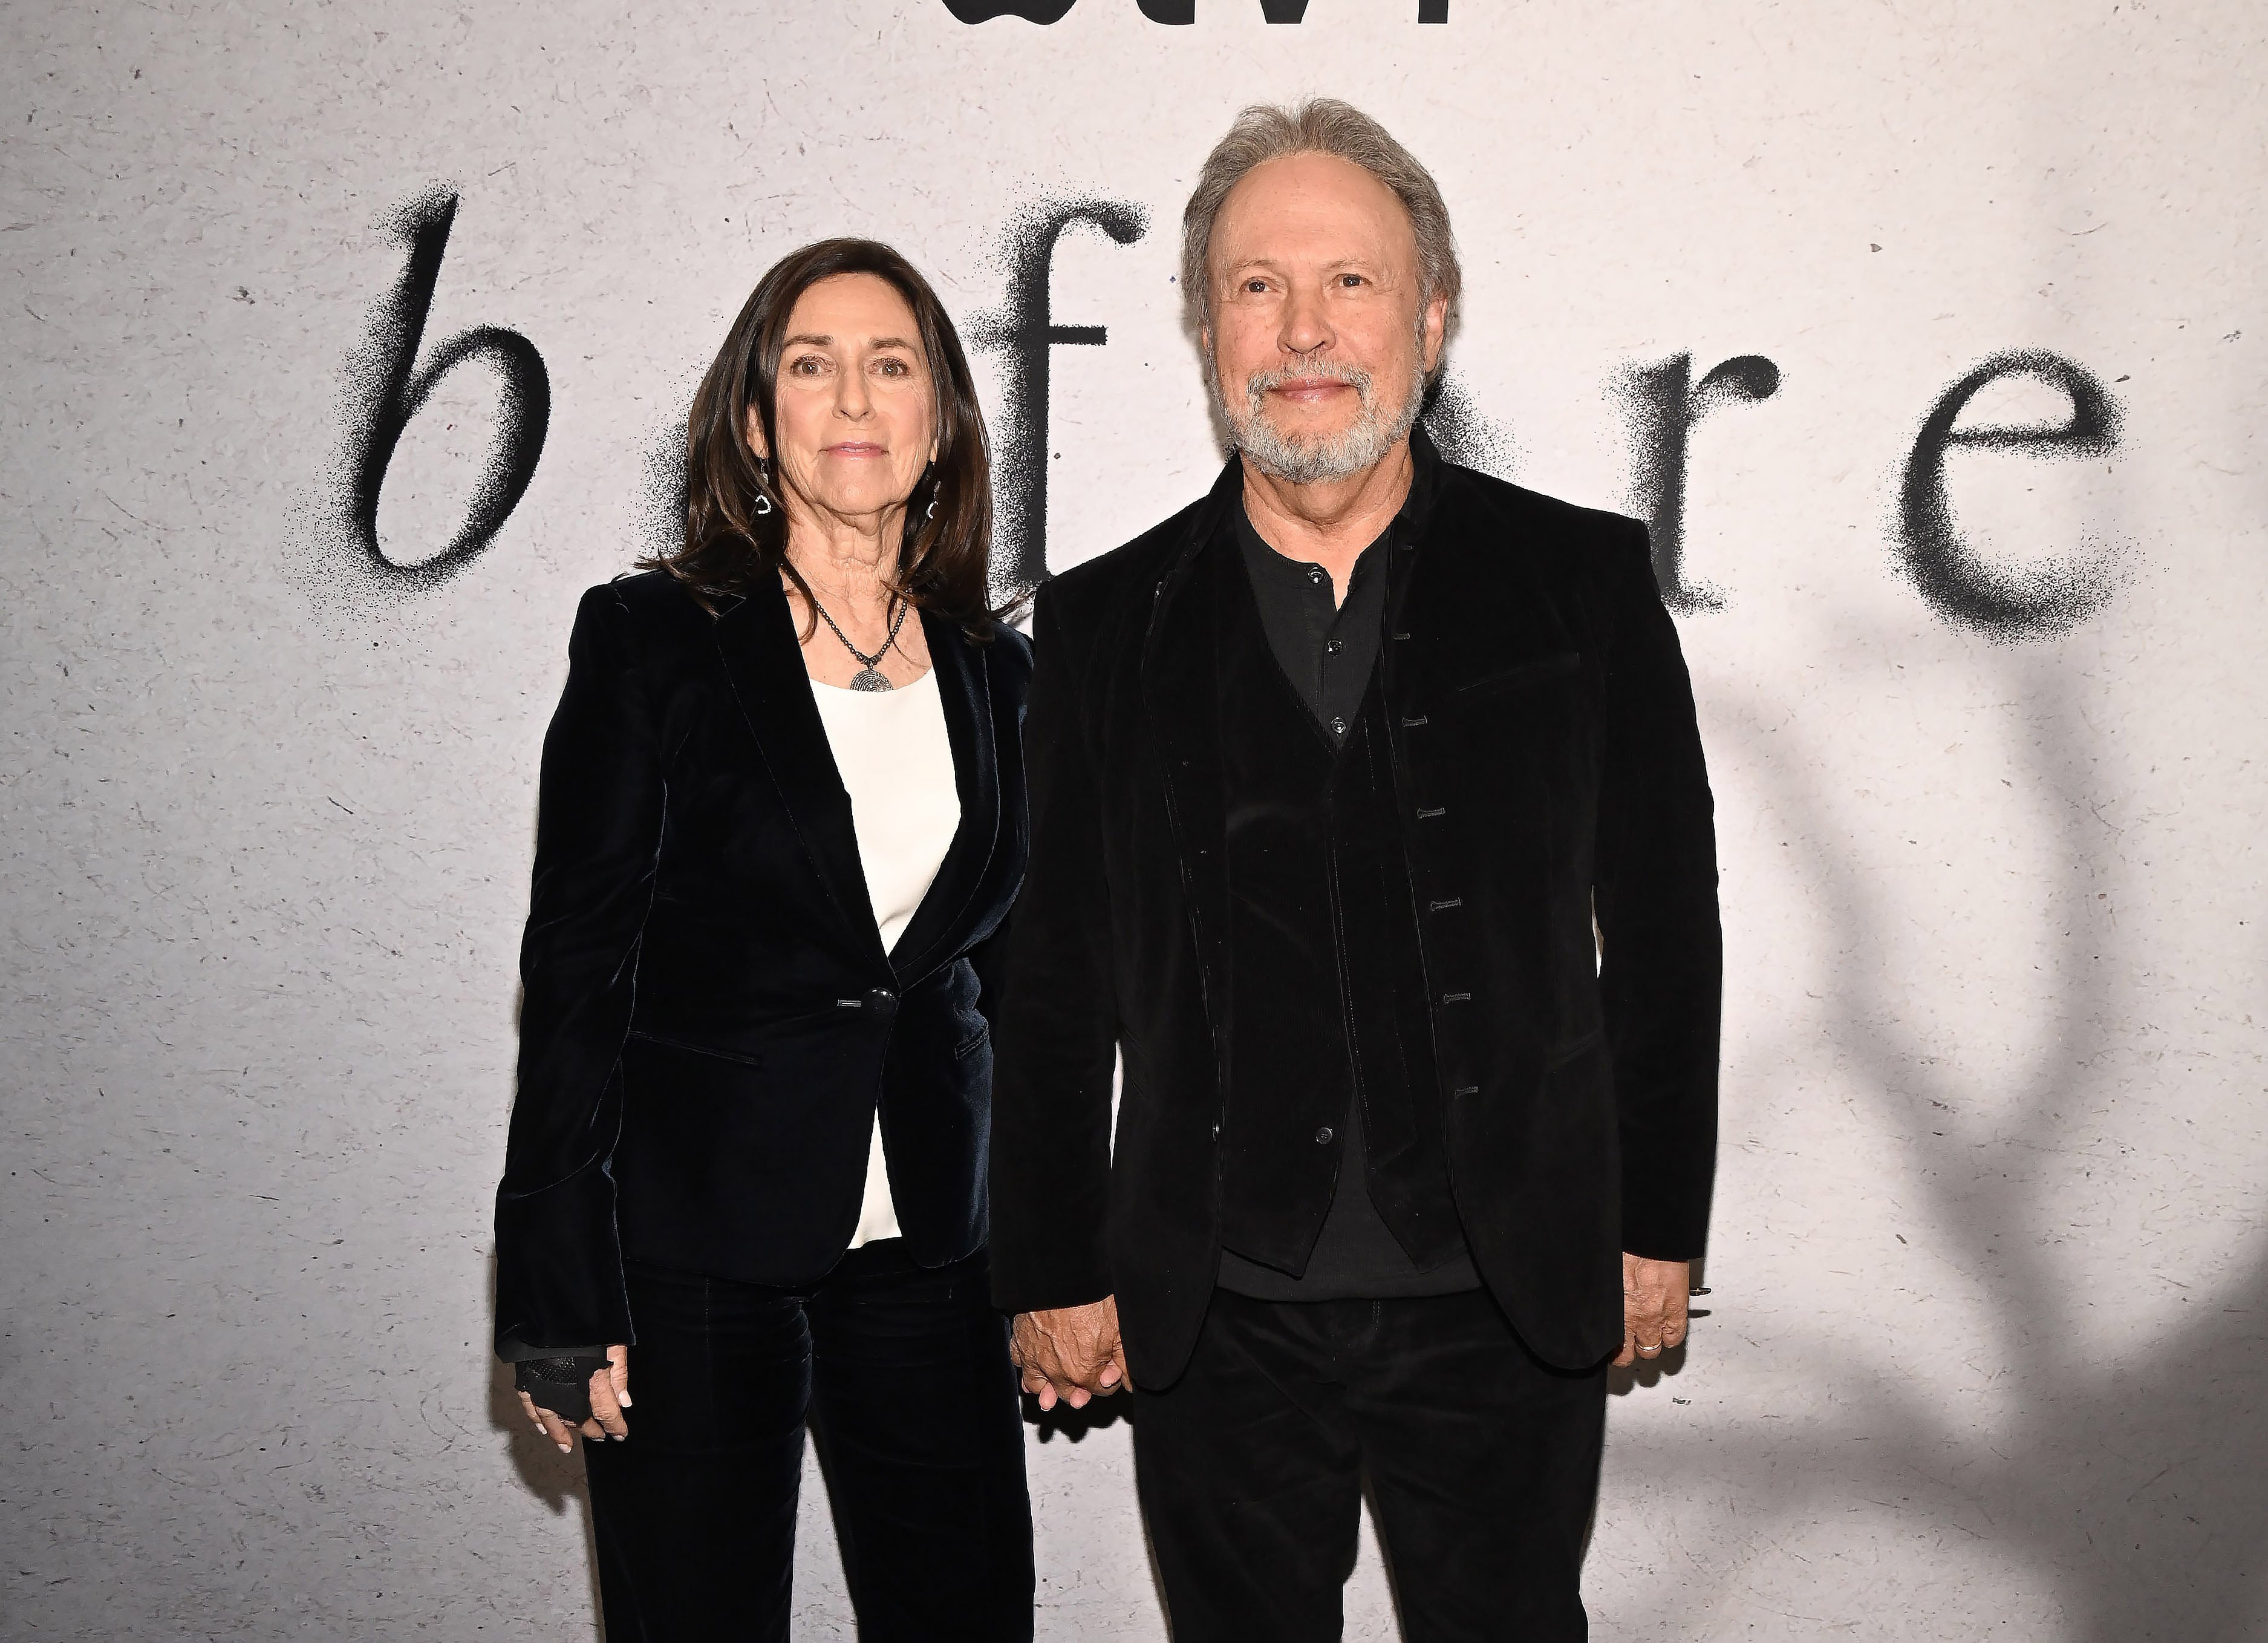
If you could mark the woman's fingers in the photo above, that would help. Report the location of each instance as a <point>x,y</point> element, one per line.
<point>556,1429</point>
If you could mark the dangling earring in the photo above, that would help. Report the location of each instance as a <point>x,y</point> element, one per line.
<point>764,472</point>
<point>936,490</point>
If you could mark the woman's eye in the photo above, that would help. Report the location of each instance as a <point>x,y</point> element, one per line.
<point>807,367</point>
<point>894,368</point>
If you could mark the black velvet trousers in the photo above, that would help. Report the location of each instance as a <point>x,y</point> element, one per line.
<point>903,1377</point>
<point>1482,1463</point>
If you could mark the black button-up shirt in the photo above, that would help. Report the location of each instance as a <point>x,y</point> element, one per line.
<point>1328,649</point>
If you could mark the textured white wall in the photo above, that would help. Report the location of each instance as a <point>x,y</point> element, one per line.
<point>1990,1267</point>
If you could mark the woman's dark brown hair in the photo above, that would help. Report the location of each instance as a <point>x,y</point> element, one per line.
<point>735,521</point>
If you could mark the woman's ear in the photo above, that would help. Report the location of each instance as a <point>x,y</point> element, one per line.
<point>756,434</point>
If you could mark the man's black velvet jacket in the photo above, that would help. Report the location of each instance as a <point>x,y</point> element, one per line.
<point>1550,770</point>
<point>709,1020</point>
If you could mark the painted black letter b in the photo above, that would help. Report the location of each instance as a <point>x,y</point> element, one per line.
<point>394,388</point>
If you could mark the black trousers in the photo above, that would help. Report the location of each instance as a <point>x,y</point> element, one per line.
<point>904,1378</point>
<point>1483,1462</point>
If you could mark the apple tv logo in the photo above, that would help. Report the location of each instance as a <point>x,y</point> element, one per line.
<point>1173,11</point>
<point>1030,11</point>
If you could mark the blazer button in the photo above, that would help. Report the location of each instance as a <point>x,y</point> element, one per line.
<point>1324,1136</point>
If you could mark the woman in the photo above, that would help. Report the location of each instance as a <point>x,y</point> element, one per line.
<point>781,816</point>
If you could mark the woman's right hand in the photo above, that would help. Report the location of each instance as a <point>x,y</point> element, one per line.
<point>610,1395</point>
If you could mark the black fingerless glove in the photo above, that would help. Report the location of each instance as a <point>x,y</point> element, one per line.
<point>562,1385</point>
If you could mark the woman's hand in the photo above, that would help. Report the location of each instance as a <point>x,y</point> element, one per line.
<point>610,1395</point>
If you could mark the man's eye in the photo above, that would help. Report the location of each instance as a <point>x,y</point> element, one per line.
<point>1254,287</point>
<point>1352,279</point>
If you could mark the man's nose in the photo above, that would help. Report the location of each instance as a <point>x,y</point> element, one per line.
<point>1306,327</point>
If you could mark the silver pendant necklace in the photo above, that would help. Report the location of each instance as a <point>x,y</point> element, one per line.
<point>868,677</point>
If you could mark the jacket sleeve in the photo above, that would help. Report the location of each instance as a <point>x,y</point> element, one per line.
<point>559,1277</point>
<point>1655,895</point>
<point>1055,1029</point>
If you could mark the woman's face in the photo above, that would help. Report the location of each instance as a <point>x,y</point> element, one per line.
<point>855,405</point>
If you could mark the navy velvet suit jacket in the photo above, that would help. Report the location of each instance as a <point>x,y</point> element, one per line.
<point>709,1021</point>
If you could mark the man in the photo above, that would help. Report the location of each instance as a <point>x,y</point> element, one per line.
<point>1371,834</point>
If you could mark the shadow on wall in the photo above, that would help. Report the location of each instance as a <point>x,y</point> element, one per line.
<point>2134,1489</point>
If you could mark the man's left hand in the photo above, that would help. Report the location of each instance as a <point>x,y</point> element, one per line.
<point>1653,1307</point>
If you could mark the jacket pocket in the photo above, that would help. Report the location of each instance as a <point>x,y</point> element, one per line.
<point>1533,672</point>
<point>679,1044</point>
<point>1560,1055</point>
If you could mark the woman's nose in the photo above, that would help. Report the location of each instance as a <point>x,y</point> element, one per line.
<point>851,400</point>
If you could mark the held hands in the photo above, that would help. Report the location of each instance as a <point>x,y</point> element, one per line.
<point>610,1395</point>
<point>1653,1307</point>
<point>1071,1353</point>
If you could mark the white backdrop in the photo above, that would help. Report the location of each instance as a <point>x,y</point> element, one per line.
<point>1990,1265</point>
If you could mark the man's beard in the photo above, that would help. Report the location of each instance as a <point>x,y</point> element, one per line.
<point>1302,460</point>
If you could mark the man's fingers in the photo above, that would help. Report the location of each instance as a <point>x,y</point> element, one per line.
<point>1674,1319</point>
<point>618,1372</point>
<point>1624,1358</point>
<point>606,1412</point>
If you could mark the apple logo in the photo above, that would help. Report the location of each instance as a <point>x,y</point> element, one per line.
<point>1030,11</point>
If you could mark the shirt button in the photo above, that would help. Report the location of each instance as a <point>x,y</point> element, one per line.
<point>1332,647</point>
<point>1339,725</point>
<point>1315,575</point>
<point>1324,1136</point>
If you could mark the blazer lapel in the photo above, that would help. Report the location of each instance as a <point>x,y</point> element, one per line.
<point>756,641</point>
<point>1465,608</point>
<point>1181,691</point>
<point>963,688</point>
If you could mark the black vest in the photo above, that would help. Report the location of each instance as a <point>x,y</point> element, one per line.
<point>1327,999</point>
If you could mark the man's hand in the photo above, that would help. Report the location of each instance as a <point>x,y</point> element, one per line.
<point>610,1395</point>
<point>1071,1353</point>
<point>1653,1307</point>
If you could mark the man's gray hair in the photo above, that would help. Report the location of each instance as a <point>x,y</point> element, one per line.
<point>1321,125</point>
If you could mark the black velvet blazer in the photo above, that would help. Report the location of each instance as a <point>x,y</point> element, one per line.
<point>1548,767</point>
<point>709,1021</point>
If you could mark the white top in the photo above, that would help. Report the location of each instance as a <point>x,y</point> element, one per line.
<point>895,760</point>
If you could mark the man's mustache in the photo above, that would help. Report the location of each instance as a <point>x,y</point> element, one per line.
<point>1261,383</point>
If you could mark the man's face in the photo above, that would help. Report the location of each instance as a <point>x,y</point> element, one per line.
<point>1320,338</point>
